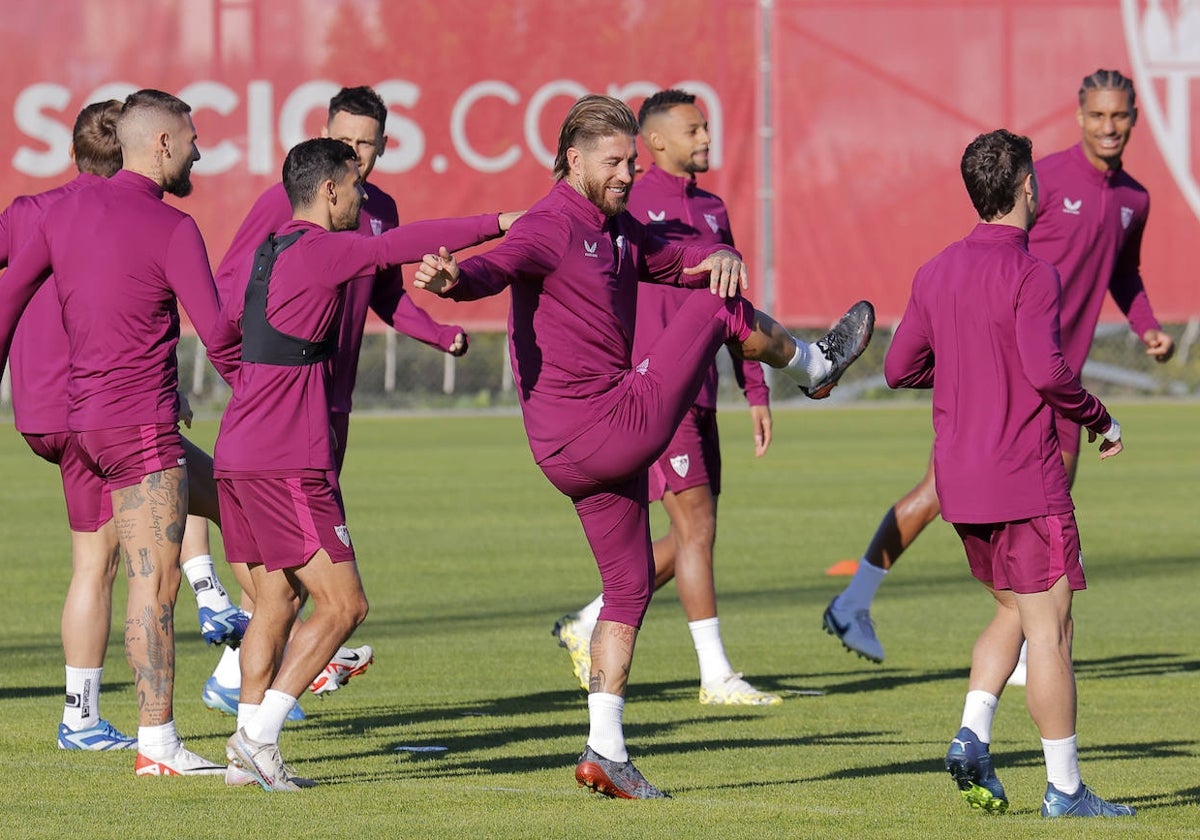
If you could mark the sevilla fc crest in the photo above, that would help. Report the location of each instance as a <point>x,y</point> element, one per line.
<point>1163,37</point>
<point>680,464</point>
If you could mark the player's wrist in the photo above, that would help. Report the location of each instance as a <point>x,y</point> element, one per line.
<point>1113,433</point>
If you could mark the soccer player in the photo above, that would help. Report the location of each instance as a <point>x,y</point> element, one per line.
<point>999,378</point>
<point>597,416</point>
<point>281,507</point>
<point>687,477</point>
<point>39,362</point>
<point>357,117</point>
<point>1089,226</point>
<point>121,259</point>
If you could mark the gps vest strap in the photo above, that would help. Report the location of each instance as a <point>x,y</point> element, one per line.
<point>261,342</point>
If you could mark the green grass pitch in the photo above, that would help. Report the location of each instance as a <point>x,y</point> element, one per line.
<point>468,557</point>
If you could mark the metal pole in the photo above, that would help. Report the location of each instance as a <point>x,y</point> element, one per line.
<point>766,134</point>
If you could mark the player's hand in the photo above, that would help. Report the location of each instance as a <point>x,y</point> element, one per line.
<point>437,273</point>
<point>1108,448</point>
<point>726,272</point>
<point>1159,345</point>
<point>458,346</point>
<point>760,418</point>
<point>185,410</point>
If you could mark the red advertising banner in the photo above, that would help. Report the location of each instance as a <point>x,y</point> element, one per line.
<point>870,105</point>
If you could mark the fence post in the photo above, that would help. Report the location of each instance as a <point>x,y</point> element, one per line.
<point>389,362</point>
<point>449,368</point>
<point>199,363</point>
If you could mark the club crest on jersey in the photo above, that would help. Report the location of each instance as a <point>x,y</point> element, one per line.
<point>343,534</point>
<point>656,218</point>
<point>589,249</point>
<point>643,366</point>
<point>680,464</point>
<point>1126,217</point>
<point>1072,207</point>
<point>1162,44</point>
<point>712,222</point>
<point>376,227</point>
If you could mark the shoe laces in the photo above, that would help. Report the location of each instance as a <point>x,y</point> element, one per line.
<point>833,343</point>
<point>865,624</point>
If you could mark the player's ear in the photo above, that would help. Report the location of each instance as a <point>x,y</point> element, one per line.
<point>1133,116</point>
<point>574,159</point>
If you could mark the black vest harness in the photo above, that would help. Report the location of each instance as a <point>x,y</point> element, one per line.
<point>261,342</point>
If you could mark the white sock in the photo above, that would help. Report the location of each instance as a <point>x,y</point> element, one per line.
<point>266,725</point>
<point>81,709</point>
<point>607,734</point>
<point>246,711</point>
<point>202,575</point>
<point>159,742</point>
<point>706,636</point>
<point>808,364</point>
<point>590,614</point>
<point>229,669</point>
<point>1062,764</point>
<point>860,591</point>
<point>978,712</point>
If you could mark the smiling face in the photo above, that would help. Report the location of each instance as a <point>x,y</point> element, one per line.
<point>603,171</point>
<point>345,199</point>
<point>177,165</point>
<point>1106,118</point>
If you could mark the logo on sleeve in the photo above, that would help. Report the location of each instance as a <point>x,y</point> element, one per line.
<point>712,222</point>
<point>660,216</point>
<point>680,464</point>
<point>376,227</point>
<point>589,249</point>
<point>1126,217</point>
<point>343,534</point>
<point>1072,207</point>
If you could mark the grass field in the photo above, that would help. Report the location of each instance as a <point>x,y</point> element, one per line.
<point>468,557</point>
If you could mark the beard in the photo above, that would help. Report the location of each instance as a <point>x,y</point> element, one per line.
<point>179,185</point>
<point>606,203</point>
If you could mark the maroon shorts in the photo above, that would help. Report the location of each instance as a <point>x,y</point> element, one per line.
<point>127,454</point>
<point>282,522</point>
<point>89,504</point>
<point>1026,556</point>
<point>692,458</point>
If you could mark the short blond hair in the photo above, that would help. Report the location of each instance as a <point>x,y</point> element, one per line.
<point>591,118</point>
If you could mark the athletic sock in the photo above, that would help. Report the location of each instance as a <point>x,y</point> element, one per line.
<point>706,636</point>
<point>266,725</point>
<point>1062,764</point>
<point>808,364</point>
<point>202,575</point>
<point>860,591</point>
<point>228,672</point>
<point>81,708</point>
<point>159,742</point>
<point>606,734</point>
<point>590,614</point>
<point>246,711</point>
<point>978,712</point>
